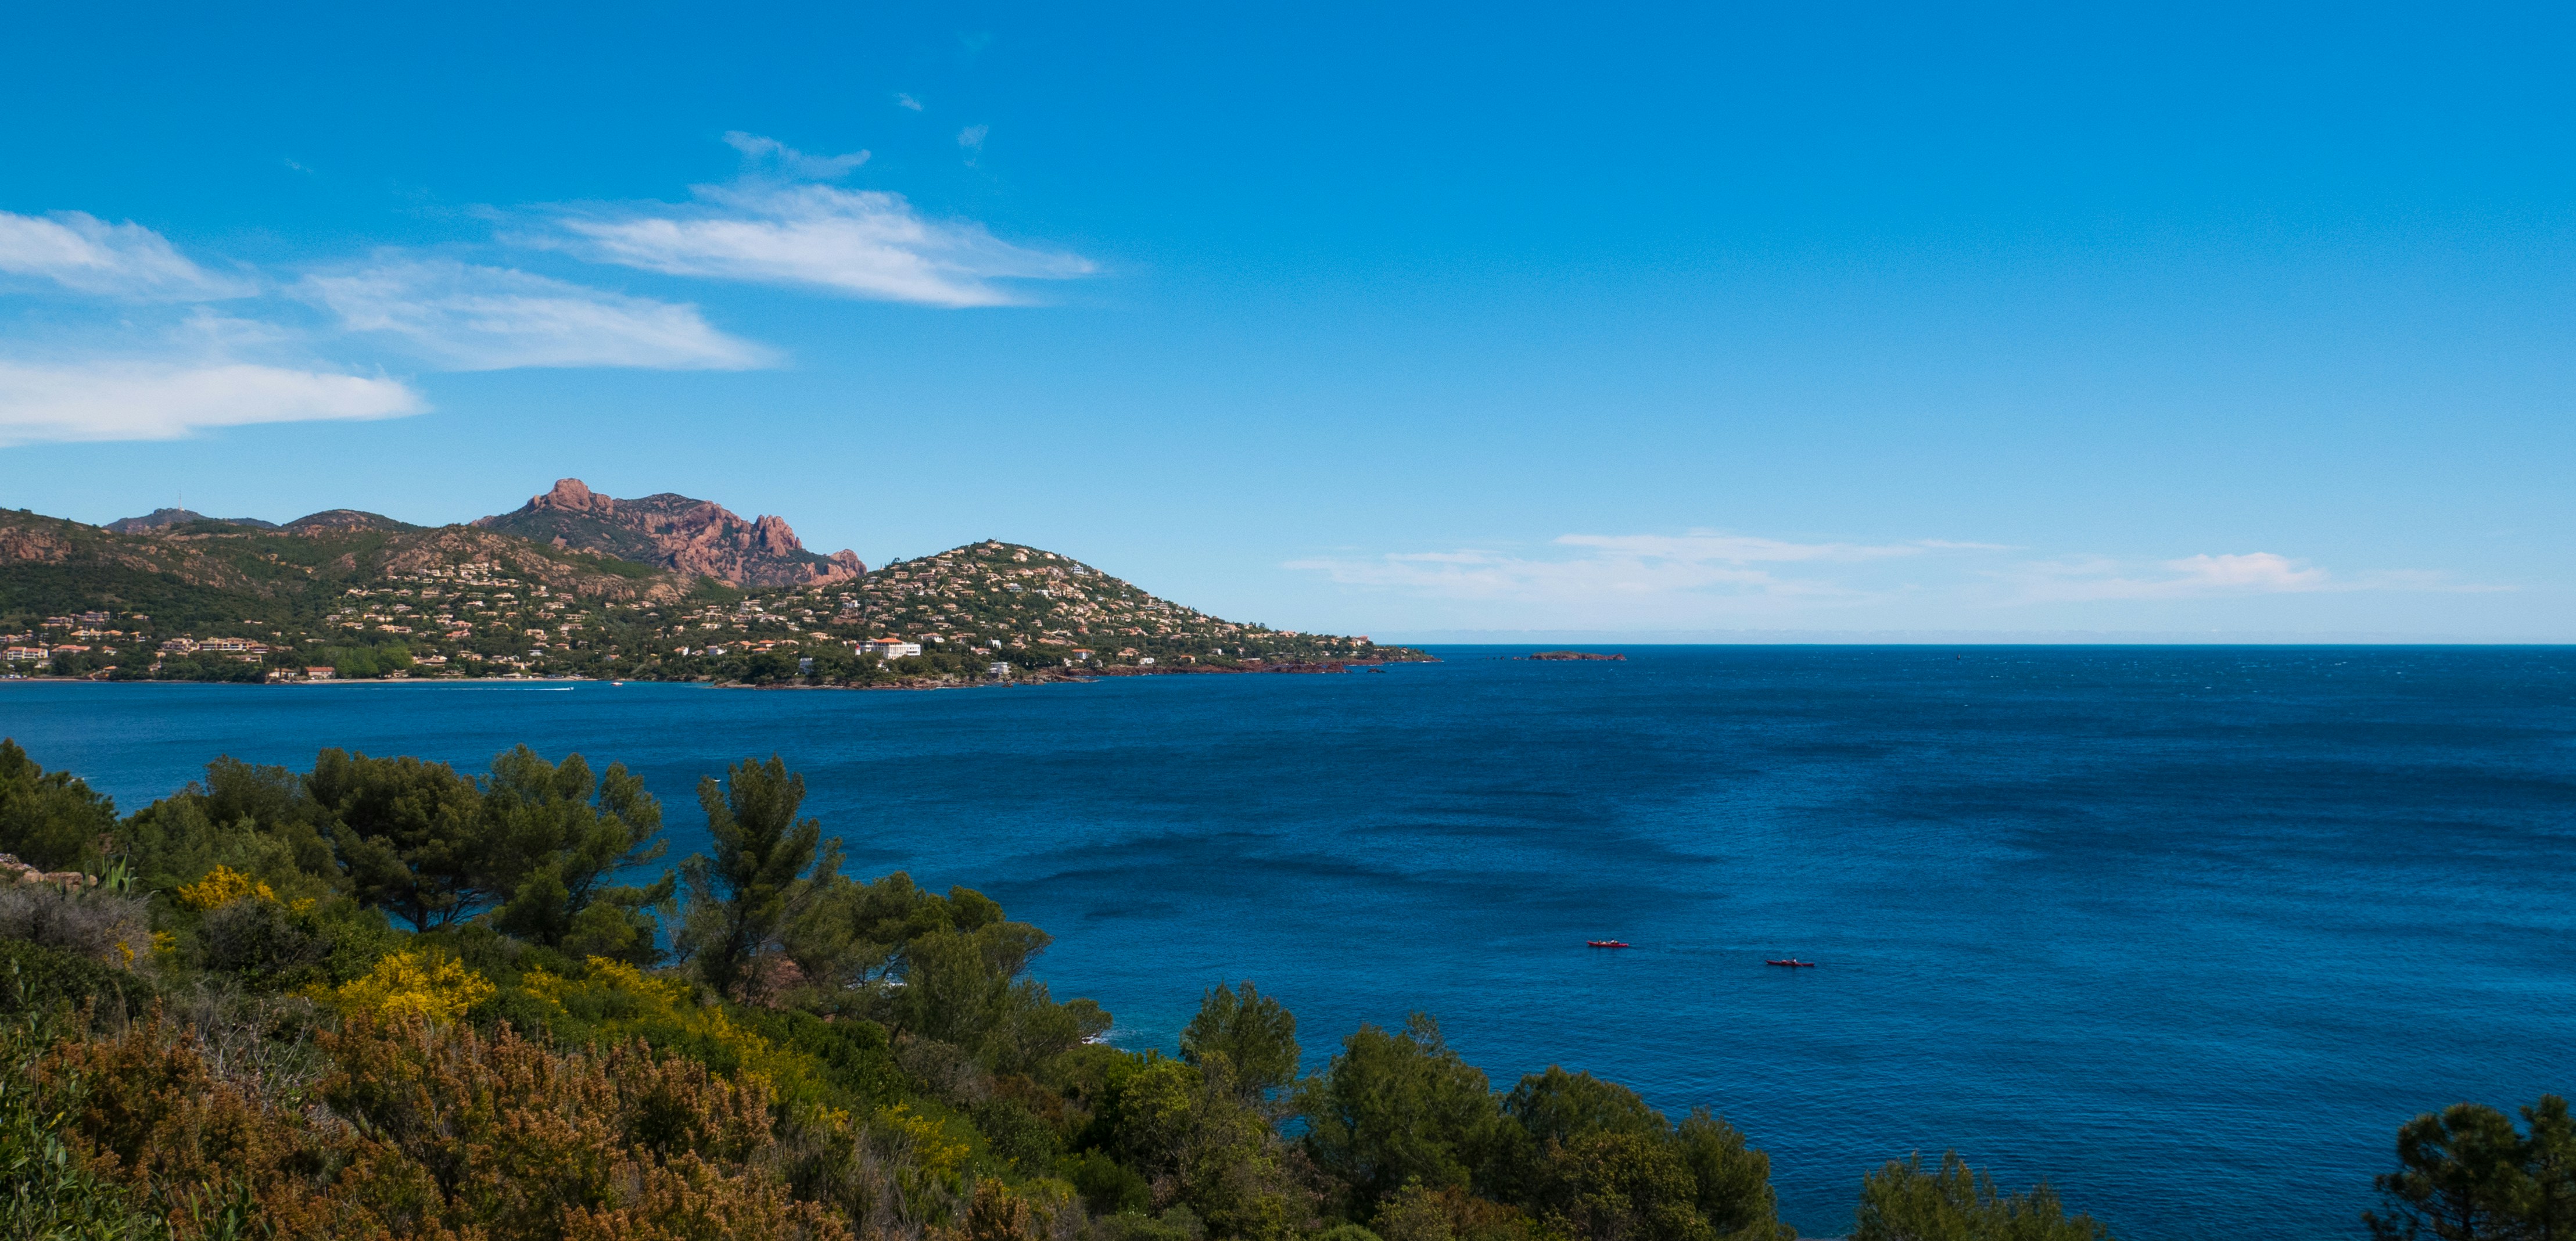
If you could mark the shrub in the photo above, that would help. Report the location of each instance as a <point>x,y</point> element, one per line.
<point>426,985</point>
<point>45,1190</point>
<point>259,942</point>
<point>1903,1201</point>
<point>222,886</point>
<point>511,1138</point>
<point>87,922</point>
<point>49,819</point>
<point>37,979</point>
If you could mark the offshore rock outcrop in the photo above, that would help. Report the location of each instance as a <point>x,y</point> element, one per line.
<point>677,533</point>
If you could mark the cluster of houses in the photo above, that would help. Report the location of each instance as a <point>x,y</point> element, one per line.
<point>25,648</point>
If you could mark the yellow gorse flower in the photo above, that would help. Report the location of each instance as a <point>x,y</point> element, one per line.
<point>939,1153</point>
<point>222,886</point>
<point>652,1001</point>
<point>409,984</point>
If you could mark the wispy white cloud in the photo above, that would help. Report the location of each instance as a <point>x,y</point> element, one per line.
<point>2250,573</point>
<point>1660,572</point>
<point>125,400</point>
<point>907,102</point>
<point>2206,576</point>
<point>89,255</point>
<point>772,156</point>
<point>489,318</point>
<point>1713,547</point>
<point>1485,574</point>
<point>781,230</point>
<point>1719,579</point>
<point>972,137</point>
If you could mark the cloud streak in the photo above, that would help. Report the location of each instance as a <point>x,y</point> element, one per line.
<point>2208,576</point>
<point>86,254</point>
<point>476,318</point>
<point>778,226</point>
<point>857,243</point>
<point>771,155</point>
<point>1618,570</point>
<point>1707,577</point>
<point>147,401</point>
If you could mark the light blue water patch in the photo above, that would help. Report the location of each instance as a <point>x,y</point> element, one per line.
<point>2186,931</point>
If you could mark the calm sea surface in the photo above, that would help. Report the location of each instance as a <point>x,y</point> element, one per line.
<point>2186,931</point>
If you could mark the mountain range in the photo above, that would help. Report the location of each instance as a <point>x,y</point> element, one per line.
<point>675,533</point>
<point>575,583</point>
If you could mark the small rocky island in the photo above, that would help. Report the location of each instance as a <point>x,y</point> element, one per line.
<point>1576,655</point>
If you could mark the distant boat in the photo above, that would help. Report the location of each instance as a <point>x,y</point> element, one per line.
<point>1794,963</point>
<point>1607,943</point>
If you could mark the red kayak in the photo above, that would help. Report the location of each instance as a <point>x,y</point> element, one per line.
<point>1794,963</point>
<point>1606,943</point>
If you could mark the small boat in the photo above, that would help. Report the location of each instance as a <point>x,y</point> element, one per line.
<point>1793,963</point>
<point>1607,943</point>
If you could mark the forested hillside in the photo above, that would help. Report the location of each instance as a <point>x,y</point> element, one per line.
<point>384,998</point>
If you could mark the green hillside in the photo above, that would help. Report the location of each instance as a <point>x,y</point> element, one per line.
<point>368,596</point>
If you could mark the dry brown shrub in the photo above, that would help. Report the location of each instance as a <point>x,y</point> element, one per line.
<point>148,1110</point>
<point>436,1133</point>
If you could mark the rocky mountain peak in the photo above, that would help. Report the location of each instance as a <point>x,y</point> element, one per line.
<point>675,532</point>
<point>570,495</point>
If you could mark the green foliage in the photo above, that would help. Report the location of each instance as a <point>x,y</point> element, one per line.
<point>360,663</point>
<point>1251,1034</point>
<point>50,820</point>
<point>1210,1152</point>
<point>47,1192</point>
<point>1733,1180</point>
<point>1904,1202</point>
<point>1110,1187</point>
<point>406,831</point>
<point>552,834</point>
<point>743,897</point>
<point>260,821</point>
<point>1609,1183</point>
<point>1556,1106</point>
<point>2467,1175</point>
<point>1398,1107</point>
<point>1346,1232</point>
<point>37,979</point>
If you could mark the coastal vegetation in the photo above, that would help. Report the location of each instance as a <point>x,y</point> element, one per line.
<point>381,997</point>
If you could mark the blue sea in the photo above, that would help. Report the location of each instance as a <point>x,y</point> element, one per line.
<point>2186,932</point>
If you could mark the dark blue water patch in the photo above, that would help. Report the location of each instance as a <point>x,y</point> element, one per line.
<point>2186,931</point>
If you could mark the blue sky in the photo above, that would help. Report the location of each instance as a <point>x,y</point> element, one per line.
<point>1569,318</point>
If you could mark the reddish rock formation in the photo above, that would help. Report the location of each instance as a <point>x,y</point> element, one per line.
<point>677,533</point>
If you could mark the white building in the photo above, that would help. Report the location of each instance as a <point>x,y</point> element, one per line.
<point>890,648</point>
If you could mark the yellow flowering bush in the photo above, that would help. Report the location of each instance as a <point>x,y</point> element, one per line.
<point>222,886</point>
<point>938,1152</point>
<point>415,984</point>
<point>616,1001</point>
